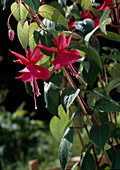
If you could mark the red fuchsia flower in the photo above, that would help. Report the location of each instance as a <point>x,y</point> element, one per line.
<point>106,4</point>
<point>65,57</point>
<point>32,72</point>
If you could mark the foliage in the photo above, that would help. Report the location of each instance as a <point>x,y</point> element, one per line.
<point>80,73</point>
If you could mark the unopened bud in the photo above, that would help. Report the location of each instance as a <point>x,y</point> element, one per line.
<point>11,34</point>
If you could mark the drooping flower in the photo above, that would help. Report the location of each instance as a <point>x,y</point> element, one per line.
<point>65,57</point>
<point>32,72</point>
<point>106,4</point>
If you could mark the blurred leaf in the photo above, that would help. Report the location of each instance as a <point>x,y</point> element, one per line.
<point>116,133</point>
<point>22,32</point>
<point>51,95</point>
<point>112,84</point>
<point>114,70</point>
<point>110,35</point>
<point>68,96</point>
<point>75,166</point>
<point>86,4</point>
<point>58,125</point>
<point>99,135</point>
<point>65,147</point>
<point>62,2</point>
<point>3,3</point>
<point>87,162</point>
<point>101,116</point>
<point>105,20</point>
<point>52,14</point>
<point>58,6</point>
<point>107,106</point>
<point>33,4</point>
<point>19,11</point>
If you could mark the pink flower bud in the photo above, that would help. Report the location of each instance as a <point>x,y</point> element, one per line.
<point>11,34</point>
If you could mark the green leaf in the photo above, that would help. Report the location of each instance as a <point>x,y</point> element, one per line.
<point>22,32</point>
<point>28,88</point>
<point>56,79</point>
<point>116,161</point>
<point>114,70</point>
<point>116,133</point>
<point>52,14</point>
<point>87,161</point>
<point>86,4</point>
<point>33,27</point>
<point>51,95</point>
<point>94,60</point>
<point>19,11</point>
<point>68,96</point>
<point>76,166</point>
<point>99,135</point>
<point>101,116</point>
<point>104,20</point>
<point>104,105</point>
<point>110,35</point>
<point>65,147</point>
<point>33,4</point>
<point>112,84</point>
<point>58,6</point>
<point>58,125</point>
<point>45,38</point>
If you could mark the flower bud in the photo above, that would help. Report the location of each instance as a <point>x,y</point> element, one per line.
<point>11,34</point>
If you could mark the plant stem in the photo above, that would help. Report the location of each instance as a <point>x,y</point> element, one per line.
<point>78,97</point>
<point>78,131</point>
<point>34,18</point>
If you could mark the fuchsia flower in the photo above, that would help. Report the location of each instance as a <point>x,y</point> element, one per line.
<point>32,72</point>
<point>65,57</point>
<point>106,4</point>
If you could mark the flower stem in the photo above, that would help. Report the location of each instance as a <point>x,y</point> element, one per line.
<point>78,131</point>
<point>78,97</point>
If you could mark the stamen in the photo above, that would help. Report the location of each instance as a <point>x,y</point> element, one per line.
<point>75,72</point>
<point>37,91</point>
<point>33,89</point>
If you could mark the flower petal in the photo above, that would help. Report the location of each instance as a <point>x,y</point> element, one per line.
<point>62,44</point>
<point>66,57</point>
<point>23,60</point>
<point>68,39</point>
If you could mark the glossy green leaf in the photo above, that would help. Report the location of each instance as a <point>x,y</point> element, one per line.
<point>68,96</point>
<point>51,95</point>
<point>87,162</point>
<point>53,25</point>
<point>65,147</point>
<point>105,105</point>
<point>33,4</point>
<point>58,125</point>
<point>116,161</point>
<point>52,14</point>
<point>99,135</point>
<point>22,32</point>
<point>112,84</point>
<point>19,11</point>
<point>93,59</point>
